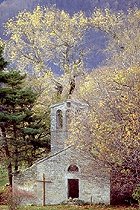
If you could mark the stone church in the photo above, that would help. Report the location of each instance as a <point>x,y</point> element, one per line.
<point>67,172</point>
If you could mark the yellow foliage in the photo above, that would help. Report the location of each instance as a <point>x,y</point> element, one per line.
<point>2,43</point>
<point>44,36</point>
<point>110,129</point>
<point>124,35</point>
<point>120,77</point>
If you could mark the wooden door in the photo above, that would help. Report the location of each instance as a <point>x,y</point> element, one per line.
<point>73,188</point>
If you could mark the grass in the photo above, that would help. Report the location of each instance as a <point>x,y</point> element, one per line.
<point>59,207</point>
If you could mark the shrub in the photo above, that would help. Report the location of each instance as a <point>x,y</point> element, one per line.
<point>17,197</point>
<point>136,194</point>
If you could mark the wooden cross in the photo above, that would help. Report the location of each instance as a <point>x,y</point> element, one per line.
<point>44,188</point>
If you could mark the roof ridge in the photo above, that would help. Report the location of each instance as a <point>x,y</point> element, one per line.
<point>52,155</point>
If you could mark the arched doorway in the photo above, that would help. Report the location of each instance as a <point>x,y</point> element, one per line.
<point>73,184</point>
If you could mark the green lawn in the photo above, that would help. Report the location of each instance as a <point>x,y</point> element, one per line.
<point>72,208</point>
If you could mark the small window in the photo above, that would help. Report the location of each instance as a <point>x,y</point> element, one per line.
<point>59,119</point>
<point>68,117</point>
<point>73,168</point>
<point>69,104</point>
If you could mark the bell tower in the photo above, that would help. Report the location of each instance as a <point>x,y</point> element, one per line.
<point>61,115</point>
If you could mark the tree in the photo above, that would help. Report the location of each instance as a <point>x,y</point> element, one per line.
<point>122,31</point>
<point>5,145</point>
<point>3,63</point>
<point>44,38</point>
<point>110,129</point>
<point>112,124</point>
<point>136,194</point>
<point>23,135</point>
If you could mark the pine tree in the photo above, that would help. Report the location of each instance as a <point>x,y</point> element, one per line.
<point>21,130</point>
<point>4,143</point>
<point>3,63</point>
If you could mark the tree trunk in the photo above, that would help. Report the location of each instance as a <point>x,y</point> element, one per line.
<point>16,148</point>
<point>8,157</point>
<point>16,159</point>
<point>72,86</point>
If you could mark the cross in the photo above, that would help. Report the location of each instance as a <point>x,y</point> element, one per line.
<point>43,181</point>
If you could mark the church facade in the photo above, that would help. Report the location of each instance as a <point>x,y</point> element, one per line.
<point>68,172</point>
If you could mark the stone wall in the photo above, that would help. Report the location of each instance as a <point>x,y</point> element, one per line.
<point>25,184</point>
<point>59,136</point>
<point>93,185</point>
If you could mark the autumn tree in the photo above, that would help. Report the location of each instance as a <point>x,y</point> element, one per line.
<point>110,129</point>
<point>122,31</point>
<point>44,38</point>
<point>114,109</point>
